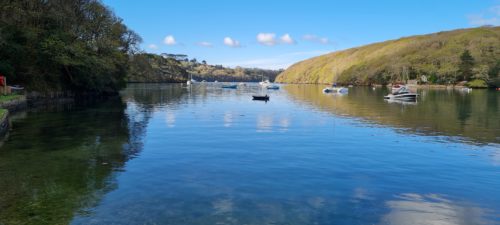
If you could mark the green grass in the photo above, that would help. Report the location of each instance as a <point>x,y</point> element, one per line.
<point>436,55</point>
<point>2,112</point>
<point>6,98</point>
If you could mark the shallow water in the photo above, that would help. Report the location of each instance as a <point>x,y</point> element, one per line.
<point>168,154</point>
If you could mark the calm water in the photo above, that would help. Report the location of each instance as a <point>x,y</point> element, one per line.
<point>167,154</point>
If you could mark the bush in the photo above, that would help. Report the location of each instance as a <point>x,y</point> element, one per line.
<point>477,84</point>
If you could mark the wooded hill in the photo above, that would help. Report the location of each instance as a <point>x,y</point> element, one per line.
<point>147,67</point>
<point>60,45</point>
<point>439,58</point>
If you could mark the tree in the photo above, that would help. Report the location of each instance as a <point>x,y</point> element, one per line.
<point>79,46</point>
<point>466,65</point>
<point>204,62</point>
<point>481,72</point>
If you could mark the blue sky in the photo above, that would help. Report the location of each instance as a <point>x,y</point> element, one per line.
<point>276,34</point>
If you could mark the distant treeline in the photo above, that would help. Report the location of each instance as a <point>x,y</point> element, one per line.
<point>147,67</point>
<point>64,45</point>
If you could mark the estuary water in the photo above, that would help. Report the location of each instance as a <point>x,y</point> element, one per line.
<point>173,154</point>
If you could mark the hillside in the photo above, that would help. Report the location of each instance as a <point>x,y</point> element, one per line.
<point>433,58</point>
<point>204,71</point>
<point>152,68</point>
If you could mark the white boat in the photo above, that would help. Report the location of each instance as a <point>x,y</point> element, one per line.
<point>265,83</point>
<point>216,81</point>
<point>242,84</point>
<point>340,90</point>
<point>191,80</point>
<point>403,93</point>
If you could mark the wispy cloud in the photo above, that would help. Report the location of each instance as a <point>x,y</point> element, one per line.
<point>287,39</point>
<point>205,44</point>
<point>231,42</point>
<point>268,39</point>
<point>488,17</point>
<point>169,40</point>
<point>153,47</point>
<point>316,39</point>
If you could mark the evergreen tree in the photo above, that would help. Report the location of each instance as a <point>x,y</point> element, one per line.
<point>466,65</point>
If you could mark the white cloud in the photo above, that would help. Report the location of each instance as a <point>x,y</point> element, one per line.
<point>205,44</point>
<point>231,42</point>
<point>153,47</point>
<point>316,39</point>
<point>266,39</point>
<point>489,17</point>
<point>287,39</point>
<point>169,40</point>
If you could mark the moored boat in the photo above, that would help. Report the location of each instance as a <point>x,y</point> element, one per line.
<point>230,86</point>
<point>273,87</point>
<point>260,97</point>
<point>403,93</point>
<point>340,90</point>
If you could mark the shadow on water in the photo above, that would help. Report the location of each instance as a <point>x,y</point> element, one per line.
<point>59,161</point>
<point>436,113</point>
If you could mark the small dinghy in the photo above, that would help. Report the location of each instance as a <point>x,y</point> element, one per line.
<point>402,94</point>
<point>340,90</point>
<point>260,97</point>
<point>273,87</point>
<point>230,86</point>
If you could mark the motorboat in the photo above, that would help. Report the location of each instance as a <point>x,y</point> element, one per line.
<point>242,84</point>
<point>403,93</point>
<point>401,102</point>
<point>260,97</point>
<point>273,87</point>
<point>230,86</point>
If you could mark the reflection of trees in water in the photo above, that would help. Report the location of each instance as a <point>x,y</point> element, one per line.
<point>437,111</point>
<point>58,163</point>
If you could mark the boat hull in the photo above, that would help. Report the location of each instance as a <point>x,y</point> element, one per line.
<point>260,98</point>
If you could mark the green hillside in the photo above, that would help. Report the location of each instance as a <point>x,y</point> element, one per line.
<point>434,58</point>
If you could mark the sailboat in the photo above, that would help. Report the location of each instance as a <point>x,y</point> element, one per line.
<point>191,80</point>
<point>263,82</point>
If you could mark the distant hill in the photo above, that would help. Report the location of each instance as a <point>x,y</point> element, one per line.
<point>172,68</point>
<point>204,71</point>
<point>433,58</point>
